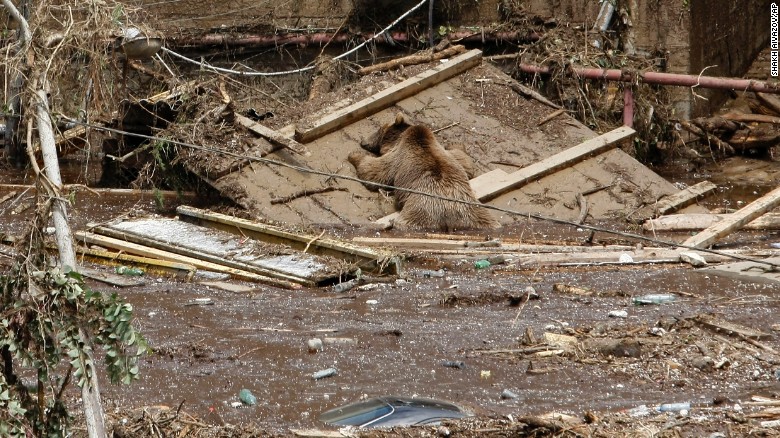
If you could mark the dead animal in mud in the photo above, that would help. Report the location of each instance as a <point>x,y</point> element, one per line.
<point>412,159</point>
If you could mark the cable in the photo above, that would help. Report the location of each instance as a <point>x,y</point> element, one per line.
<point>773,266</point>
<point>299,70</point>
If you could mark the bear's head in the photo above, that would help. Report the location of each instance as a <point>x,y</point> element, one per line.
<point>384,139</point>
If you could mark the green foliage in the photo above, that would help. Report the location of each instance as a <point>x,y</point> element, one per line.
<point>159,199</point>
<point>49,322</point>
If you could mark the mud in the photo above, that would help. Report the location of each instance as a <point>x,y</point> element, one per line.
<point>392,337</point>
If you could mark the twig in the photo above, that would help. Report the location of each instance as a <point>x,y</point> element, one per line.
<point>707,136</point>
<point>306,192</point>
<point>418,58</point>
<point>552,115</point>
<point>528,92</point>
<point>446,127</point>
<point>312,241</point>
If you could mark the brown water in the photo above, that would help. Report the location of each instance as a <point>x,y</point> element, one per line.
<point>205,354</point>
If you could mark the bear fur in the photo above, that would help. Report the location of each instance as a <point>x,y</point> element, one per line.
<point>416,161</point>
<point>384,139</point>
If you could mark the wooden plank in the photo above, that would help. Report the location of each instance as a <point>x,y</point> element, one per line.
<point>134,248</point>
<point>272,135</point>
<point>700,221</point>
<point>150,264</point>
<point>561,160</point>
<point>111,278</point>
<point>388,97</point>
<point>677,201</point>
<point>736,221</point>
<point>477,184</point>
<point>366,258</point>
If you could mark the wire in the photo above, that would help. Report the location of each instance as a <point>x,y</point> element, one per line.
<point>299,70</point>
<point>773,266</point>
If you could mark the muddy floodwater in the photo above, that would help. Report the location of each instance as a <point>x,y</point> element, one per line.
<point>212,337</point>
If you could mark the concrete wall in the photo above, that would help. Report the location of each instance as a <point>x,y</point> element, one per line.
<point>691,34</point>
<point>727,34</point>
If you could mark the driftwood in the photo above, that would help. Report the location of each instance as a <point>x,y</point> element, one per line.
<point>755,138</point>
<point>417,58</point>
<point>271,135</point>
<point>752,118</point>
<point>551,116</point>
<point>706,136</point>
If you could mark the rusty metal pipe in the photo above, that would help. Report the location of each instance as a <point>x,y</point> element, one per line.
<point>228,40</point>
<point>663,79</point>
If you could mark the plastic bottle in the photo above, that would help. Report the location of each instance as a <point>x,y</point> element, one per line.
<point>454,364</point>
<point>128,270</point>
<point>674,407</point>
<point>324,373</point>
<point>655,299</point>
<point>481,264</point>
<point>247,397</point>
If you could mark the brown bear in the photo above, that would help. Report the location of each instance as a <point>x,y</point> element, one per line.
<point>384,139</point>
<point>416,161</point>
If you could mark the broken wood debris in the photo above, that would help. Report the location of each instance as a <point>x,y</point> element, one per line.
<point>271,135</point>
<point>217,247</point>
<point>736,221</point>
<point>675,202</point>
<point>417,58</point>
<point>133,248</point>
<point>148,263</point>
<point>700,221</point>
<point>366,258</point>
<point>373,104</point>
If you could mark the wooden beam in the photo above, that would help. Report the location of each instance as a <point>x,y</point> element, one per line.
<point>150,264</point>
<point>569,157</point>
<point>736,221</point>
<point>366,258</point>
<point>675,202</point>
<point>271,135</point>
<point>700,221</point>
<point>134,248</point>
<point>388,97</point>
